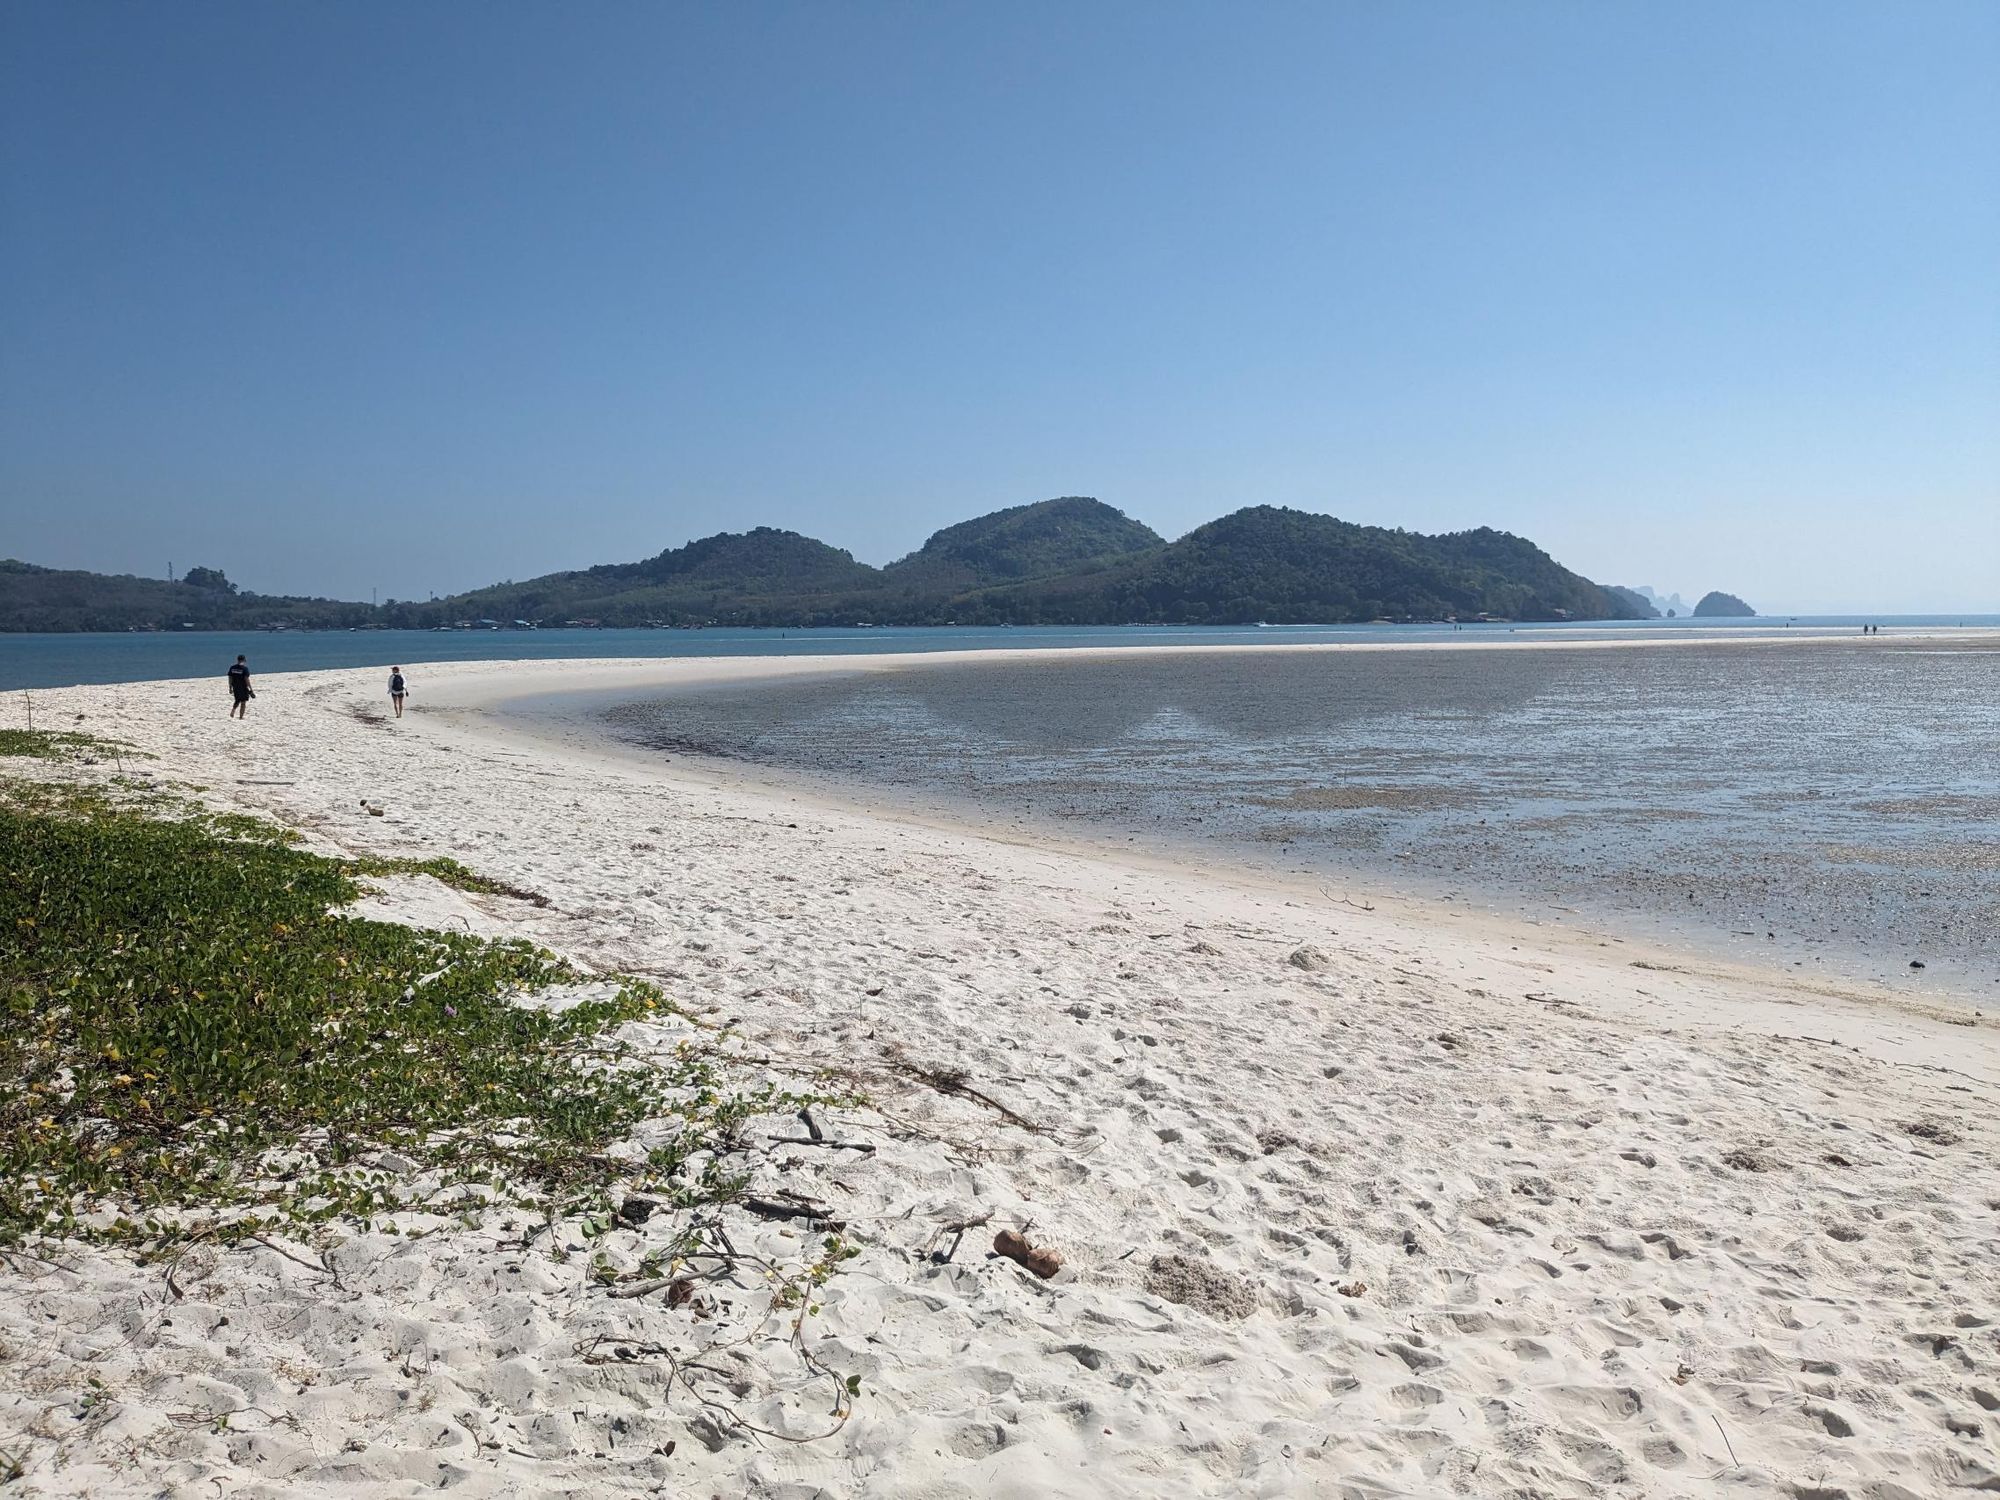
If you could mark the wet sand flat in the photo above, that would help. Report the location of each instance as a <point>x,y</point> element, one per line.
<point>1833,805</point>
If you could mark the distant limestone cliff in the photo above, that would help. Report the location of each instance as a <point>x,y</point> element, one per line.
<point>1670,605</point>
<point>1719,605</point>
<point>1638,600</point>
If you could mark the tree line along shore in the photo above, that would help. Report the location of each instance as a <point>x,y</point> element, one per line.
<point>1070,561</point>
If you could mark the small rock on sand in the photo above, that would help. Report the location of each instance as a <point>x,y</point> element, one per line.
<point>1043,1261</point>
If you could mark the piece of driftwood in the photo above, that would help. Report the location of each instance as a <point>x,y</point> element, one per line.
<point>778,1208</point>
<point>811,1140</point>
<point>679,1289</point>
<point>642,1288</point>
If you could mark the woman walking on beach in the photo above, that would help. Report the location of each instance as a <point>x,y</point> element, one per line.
<point>398,689</point>
<point>239,689</point>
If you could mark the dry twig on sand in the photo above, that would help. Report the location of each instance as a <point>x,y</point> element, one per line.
<point>815,1136</point>
<point>806,1140</point>
<point>954,1081</point>
<point>957,1230</point>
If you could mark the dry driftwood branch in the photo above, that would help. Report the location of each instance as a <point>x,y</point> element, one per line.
<point>774,1208</point>
<point>808,1140</point>
<point>642,1288</point>
<point>679,1289</point>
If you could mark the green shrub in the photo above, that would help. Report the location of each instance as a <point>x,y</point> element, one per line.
<point>53,744</point>
<point>195,1040</point>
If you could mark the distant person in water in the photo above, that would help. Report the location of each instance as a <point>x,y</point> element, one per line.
<point>239,689</point>
<point>398,689</point>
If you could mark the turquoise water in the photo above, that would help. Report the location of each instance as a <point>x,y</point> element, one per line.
<point>47,661</point>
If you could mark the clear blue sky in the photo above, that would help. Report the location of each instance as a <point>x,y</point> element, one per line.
<point>420,296</point>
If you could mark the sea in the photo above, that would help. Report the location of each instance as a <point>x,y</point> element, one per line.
<point>34,660</point>
<point>1829,805</point>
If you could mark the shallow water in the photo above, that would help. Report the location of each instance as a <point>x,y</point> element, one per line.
<point>62,660</point>
<point>1832,806</point>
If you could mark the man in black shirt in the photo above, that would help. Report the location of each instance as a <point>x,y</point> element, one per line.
<point>239,688</point>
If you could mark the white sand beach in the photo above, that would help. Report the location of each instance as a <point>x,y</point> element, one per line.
<point>1351,1202</point>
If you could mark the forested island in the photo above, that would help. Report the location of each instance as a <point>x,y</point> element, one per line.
<point>1070,561</point>
<point>1718,605</point>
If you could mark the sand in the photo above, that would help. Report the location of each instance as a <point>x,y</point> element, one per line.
<point>1350,1202</point>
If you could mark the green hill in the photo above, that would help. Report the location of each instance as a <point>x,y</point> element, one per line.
<point>1293,567</point>
<point>1043,540</point>
<point>34,598</point>
<point>1725,606</point>
<point>1067,561</point>
<point>765,576</point>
